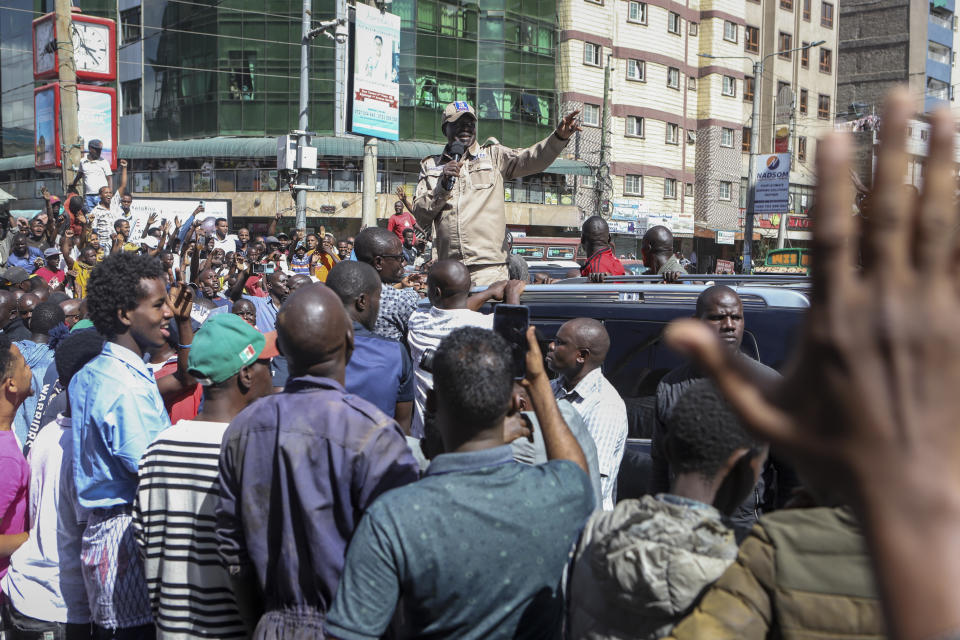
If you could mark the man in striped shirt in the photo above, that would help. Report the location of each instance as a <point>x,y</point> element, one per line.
<point>174,518</point>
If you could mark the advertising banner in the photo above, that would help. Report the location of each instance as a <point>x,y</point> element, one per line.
<point>375,99</point>
<point>47,152</point>
<point>96,121</point>
<point>726,237</point>
<point>772,184</point>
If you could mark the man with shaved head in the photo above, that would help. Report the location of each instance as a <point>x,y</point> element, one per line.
<point>657,253</point>
<point>720,308</point>
<point>380,370</point>
<point>71,311</point>
<point>28,302</point>
<point>451,307</point>
<point>382,250</point>
<point>297,469</point>
<point>598,245</point>
<point>13,326</point>
<point>576,355</point>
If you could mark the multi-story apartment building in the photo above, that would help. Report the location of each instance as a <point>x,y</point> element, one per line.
<point>674,123</point>
<point>772,27</point>
<point>896,42</point>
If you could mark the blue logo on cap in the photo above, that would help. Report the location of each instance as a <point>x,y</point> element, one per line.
<point>461,106</point>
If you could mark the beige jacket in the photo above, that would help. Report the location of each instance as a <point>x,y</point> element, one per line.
<point>470,220</point>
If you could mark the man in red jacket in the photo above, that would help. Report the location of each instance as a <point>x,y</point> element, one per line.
<point>598,245</point>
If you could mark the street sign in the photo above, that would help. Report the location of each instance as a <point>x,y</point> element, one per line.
<point>772,184</point>
<point>375,98</point>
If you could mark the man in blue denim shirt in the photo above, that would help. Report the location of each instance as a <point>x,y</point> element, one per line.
<point>297,469</point>
<point>476,548</point>
<point>117,411</point>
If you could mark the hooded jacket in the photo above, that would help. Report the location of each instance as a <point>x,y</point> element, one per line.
<point>640,568</point>
<point>802,574</point>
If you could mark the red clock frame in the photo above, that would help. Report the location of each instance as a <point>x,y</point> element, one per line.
<point>81,75</point>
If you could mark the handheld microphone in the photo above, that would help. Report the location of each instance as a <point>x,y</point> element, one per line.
<point>456,152</point>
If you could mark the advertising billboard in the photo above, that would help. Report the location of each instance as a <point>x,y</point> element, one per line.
<point>97,120</point>
<point>375,99</point>
<point>772,184</point>
<point>46,141</point>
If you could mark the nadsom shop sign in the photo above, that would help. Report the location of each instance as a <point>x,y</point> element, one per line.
<point>772,184</point>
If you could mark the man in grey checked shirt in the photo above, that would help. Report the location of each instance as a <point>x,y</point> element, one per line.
<point>576,355</point>
<point>383,251</point>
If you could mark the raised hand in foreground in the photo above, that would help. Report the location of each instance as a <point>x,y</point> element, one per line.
<point>869,406</point>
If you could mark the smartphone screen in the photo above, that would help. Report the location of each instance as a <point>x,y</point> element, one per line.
<point>511,322</point>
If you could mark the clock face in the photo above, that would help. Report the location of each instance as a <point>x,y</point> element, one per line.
<point>45,47</point>
<point>91,47</point>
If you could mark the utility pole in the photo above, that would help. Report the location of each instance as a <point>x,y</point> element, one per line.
<point>603,169</point>
<point>70,147</point>
<point>368,203</point>
<point>784,218</point>
<point>303,138</point>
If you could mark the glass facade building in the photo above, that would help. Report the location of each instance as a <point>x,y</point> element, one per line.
<point>231,68</point>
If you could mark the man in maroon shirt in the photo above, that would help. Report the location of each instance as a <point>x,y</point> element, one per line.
<point>598,245</point>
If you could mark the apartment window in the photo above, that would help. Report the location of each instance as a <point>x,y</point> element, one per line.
<point>781,85</point>
<point>130,91</point>
<point>599,2</point>
<point>691,136</point>
<point>823,107</point>
<point>786,4</point>
<point>729,86</point>
<point>729,31</point>
<point>670,188</point>
<point>638,12</point>
<point>691,83</point>
<point>591,115</point>
<point>673,133</point>
<point>588,182</point>
<point>826,60</point>
<point>673,23</point>
<point>938,53</point>
<point>826,15</point>
<point>592,53</point>
<point>726,137</point>
<point>688,190</point>
<point>673,77</point>
<point>803,101</point>
<point>806,9</point>
<point>748,88</point>
<point>805,55</point>
<point>726,188</point>
<point>636,70</point>
<point>693,28</point>
<point>751,39</point>
<point>634,127</point>
<point>130,26</point>
<point>745,144</point>
<point>784,44</point>
<point>633,185</point>
<point>802,148</point>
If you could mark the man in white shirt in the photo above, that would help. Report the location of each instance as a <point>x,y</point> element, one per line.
<point>190,592</point>
<point>452,307</point>
<point>96,174</point>
<point>44,585</point>
<point>576,354</point>
<point>117,206</point>
<point>223,240</point>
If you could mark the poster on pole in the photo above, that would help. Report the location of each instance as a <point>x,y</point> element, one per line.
<point>46,139</point>
<point>772,184</point>
<point>375,99</point>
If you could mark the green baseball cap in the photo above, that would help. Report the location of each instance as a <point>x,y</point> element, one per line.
<point>224,345</point>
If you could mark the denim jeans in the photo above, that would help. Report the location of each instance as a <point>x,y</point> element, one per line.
<point>90,201</point>
<point>21,627</point>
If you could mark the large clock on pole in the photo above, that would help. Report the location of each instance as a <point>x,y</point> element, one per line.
<point>94,47</point>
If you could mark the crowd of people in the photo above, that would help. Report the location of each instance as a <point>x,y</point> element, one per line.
<point>206,434</point>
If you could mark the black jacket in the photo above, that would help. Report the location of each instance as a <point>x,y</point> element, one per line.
<point>17,331</point>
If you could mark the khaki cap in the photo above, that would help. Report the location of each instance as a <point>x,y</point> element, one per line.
<point>456,109</point>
